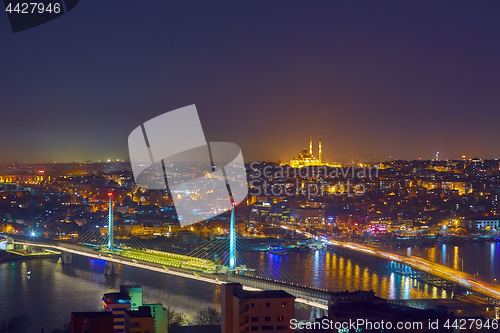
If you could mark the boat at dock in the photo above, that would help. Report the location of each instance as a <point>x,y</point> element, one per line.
<point>277,250</point>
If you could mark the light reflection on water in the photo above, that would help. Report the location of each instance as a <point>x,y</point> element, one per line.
<point>481,259</point>
<point>456,257</point>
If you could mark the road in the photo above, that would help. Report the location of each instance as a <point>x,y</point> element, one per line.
<point>453,275</point>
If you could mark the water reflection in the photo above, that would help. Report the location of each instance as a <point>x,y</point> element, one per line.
<point>406,282</point>
<point>431,254</point>
<point>456,257</point>
<point>481,259</point>
<point>392,285</point>
<point>492,258</point>
<point>444,255</point>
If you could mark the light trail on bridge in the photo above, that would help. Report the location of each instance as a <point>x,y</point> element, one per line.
<point>459,277</point>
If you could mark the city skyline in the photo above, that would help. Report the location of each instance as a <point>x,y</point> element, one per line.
<point>314,149</point>
<point>369,158</point>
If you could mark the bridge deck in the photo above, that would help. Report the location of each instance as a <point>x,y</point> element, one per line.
<point>307,295</point>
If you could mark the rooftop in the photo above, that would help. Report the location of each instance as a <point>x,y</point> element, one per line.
<point>265,294</point>
<point>116,298</point>
<point>102,314</point>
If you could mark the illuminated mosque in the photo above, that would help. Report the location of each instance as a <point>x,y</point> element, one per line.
<point>306,158</point>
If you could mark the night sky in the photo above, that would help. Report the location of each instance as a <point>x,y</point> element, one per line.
<point>401,78</point>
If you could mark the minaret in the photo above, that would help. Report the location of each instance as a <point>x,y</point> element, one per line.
<point>319,157</point>
<point>311,145</point>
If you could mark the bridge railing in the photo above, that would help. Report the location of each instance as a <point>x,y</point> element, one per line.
<point>296,290</point>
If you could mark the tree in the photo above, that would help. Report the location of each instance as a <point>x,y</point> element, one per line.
<point>16,324</point>
<point>208,316</point>
<point>175,319</point>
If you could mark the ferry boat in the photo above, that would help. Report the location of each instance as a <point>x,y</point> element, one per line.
<point>277,250</point>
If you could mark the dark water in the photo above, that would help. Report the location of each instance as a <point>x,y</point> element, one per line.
<point>52,291</point>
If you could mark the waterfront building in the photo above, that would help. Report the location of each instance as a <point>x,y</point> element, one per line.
<point>491,223</point>
<point>372,312</point>
<point>273,212</point>
<point>140,321</point>
<point>309,216</point>
<point>158,312</point>
<point>117,304</point>
<point>135,293</point>
<point>256,311</point>
<point>33,179</point>
<point>95,322</point>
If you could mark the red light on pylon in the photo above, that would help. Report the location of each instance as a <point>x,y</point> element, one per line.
<point>110,194</point>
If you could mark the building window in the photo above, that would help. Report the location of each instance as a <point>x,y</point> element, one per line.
<point>253,305</point>
<point>254,319</point>
<point>268,305</point>
<point>282,328</point>
<point>280,318</point>
<point>267,328</point>
<point>283,305</point>
<point>267,319</point>
<point>254,328</point>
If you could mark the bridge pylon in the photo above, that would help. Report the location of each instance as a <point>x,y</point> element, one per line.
<point>232,242</point>
<point>66,258</point>
<point>110,225</point>
<point>111,268</point>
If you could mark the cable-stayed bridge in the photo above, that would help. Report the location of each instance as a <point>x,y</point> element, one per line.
<point>216,261</point>
<point>181,266</point>
<point>219,262</point>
